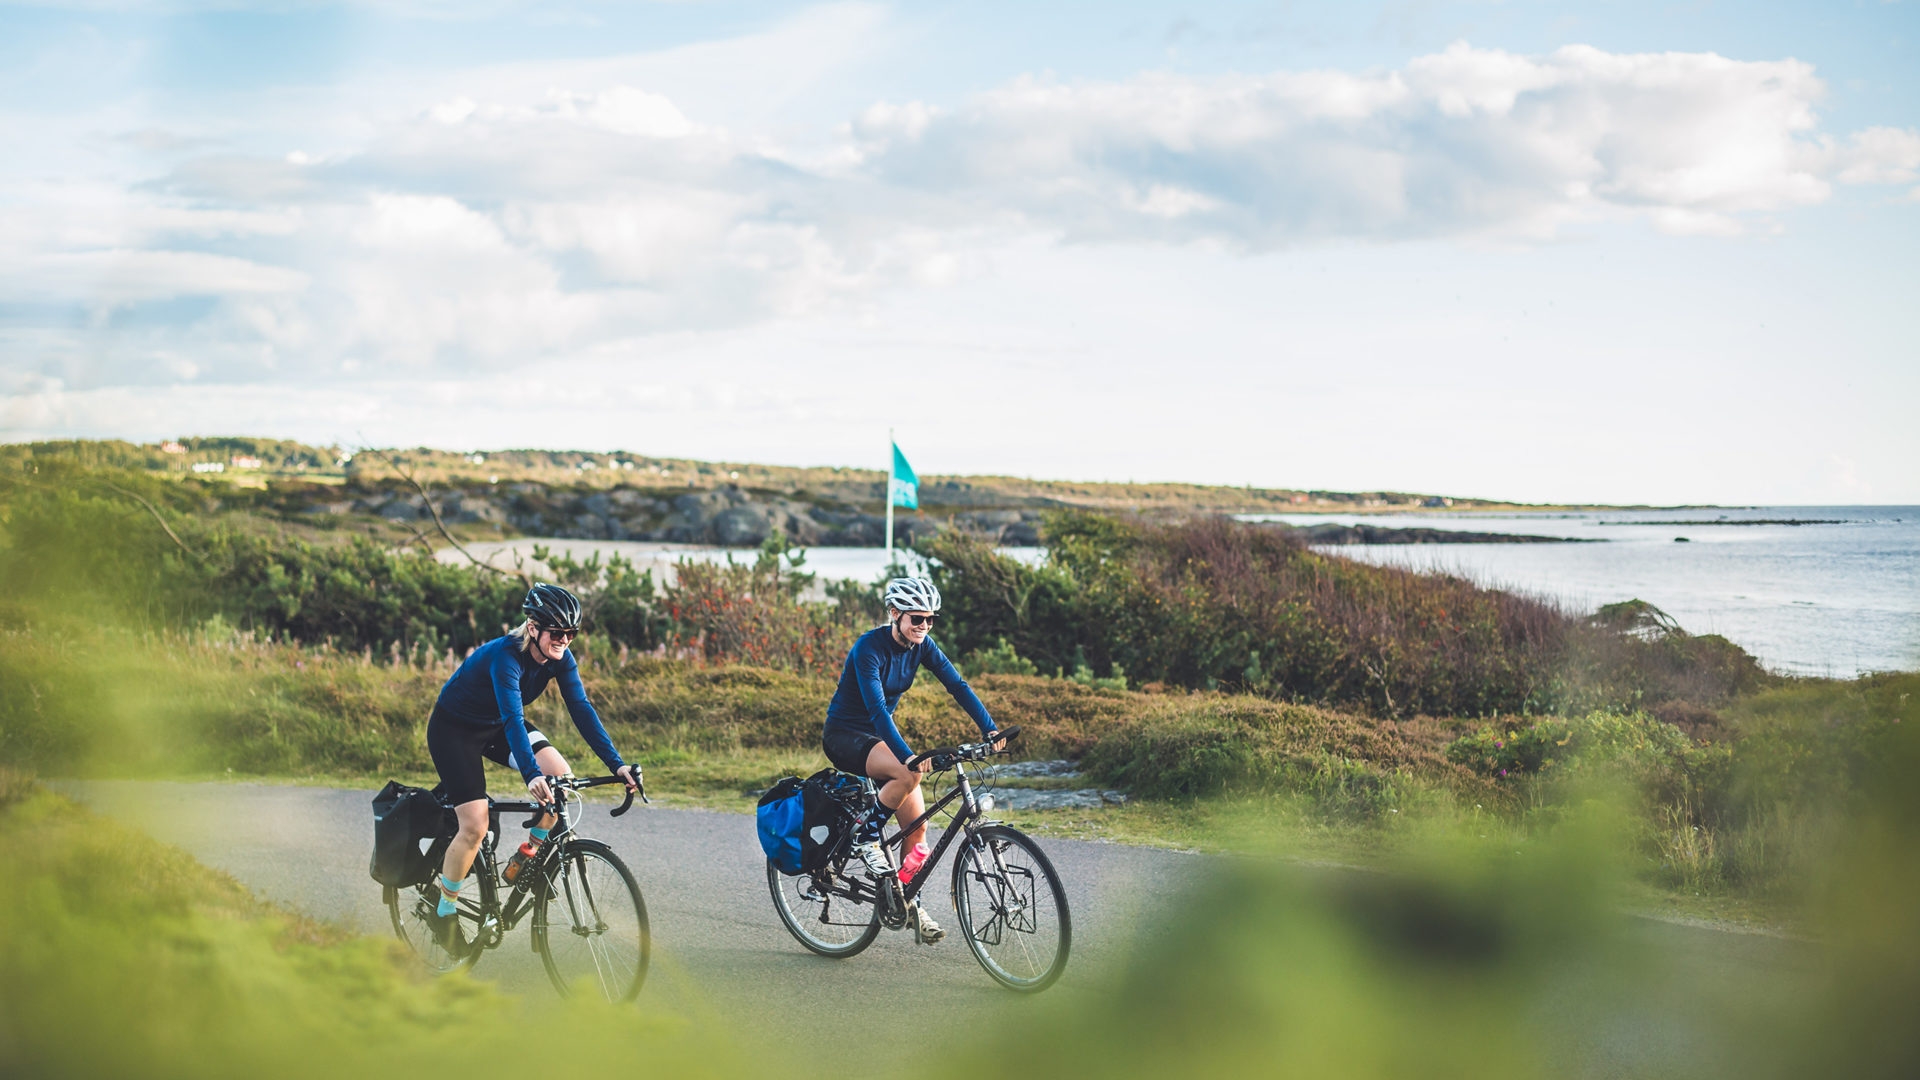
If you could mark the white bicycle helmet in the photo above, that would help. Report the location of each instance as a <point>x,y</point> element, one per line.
<point>912,594</point>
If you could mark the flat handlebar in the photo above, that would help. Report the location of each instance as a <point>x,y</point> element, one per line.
<point>948,756</point>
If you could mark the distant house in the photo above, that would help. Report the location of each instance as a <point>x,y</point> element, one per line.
<point>172,448</point>
<point>1436,501</point>
<point>208,467</point>
<point>1301,497</point>
<point>242,461</point>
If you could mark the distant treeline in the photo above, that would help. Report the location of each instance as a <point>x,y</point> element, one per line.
<point>1206,604</point>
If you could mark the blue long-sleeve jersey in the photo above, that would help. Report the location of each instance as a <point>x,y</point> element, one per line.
<point>498,679</point>
<point>880,669</point>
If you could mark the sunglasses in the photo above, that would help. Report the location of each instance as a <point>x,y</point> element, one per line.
<point>563,635</point>
<point>921,620</point>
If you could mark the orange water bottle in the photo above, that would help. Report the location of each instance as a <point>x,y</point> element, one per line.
<point>529,850</point>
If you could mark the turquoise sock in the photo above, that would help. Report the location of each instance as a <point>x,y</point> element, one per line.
<point>448,890</point>
<point>539,834</point>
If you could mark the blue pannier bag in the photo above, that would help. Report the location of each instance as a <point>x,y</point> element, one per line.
<point>783,819</point>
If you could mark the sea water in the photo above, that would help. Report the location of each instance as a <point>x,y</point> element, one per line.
<point>1837,598</point>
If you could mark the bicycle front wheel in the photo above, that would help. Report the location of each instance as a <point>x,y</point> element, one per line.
<point>1012,909</point>
<point>590,924</point>
<point>827,924</point>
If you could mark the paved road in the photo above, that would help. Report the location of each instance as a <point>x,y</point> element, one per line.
<point>720,951</point>
<point>717,943</point>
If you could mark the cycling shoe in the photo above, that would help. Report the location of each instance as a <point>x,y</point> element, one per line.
<point>925,930</point>
<point>875,857</point>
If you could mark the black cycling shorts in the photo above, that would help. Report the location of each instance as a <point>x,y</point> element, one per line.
<point>848,750</point>
<point>457,748</point>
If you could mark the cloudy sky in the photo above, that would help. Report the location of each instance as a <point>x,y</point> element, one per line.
<point>1625,251</point>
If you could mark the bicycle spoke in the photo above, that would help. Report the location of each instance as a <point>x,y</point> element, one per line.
<point>1012,912</point>
<point>602,938</point>
<point>821,912</point>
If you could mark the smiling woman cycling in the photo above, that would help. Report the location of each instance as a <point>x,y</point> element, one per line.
<point>482,713</point>
<point>861,737</point>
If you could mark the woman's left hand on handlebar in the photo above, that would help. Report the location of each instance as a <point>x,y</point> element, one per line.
<point>541,791</point>
<point>630,774</point>
<point>998,740</point>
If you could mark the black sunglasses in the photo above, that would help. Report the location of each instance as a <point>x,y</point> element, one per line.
<point>563,635</point>
<point>921,620</point>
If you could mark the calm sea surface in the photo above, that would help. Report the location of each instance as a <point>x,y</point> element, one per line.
<point>1828,599</point>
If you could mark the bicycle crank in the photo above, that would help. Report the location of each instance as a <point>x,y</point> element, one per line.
<point>893,903</point>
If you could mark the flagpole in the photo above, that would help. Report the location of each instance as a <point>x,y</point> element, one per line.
<point>888,487</point>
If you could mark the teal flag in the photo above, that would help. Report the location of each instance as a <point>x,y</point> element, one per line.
<point>904,488</point>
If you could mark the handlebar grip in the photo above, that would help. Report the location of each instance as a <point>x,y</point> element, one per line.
<point>1009,733</point>
<point>625,805</point>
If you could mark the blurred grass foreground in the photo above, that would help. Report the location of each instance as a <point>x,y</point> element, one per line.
<point>1463,958</point>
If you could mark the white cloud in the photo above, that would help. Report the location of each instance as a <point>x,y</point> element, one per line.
<point>502,216</point>
<point>1466,142</point>
<point>1880,155</point>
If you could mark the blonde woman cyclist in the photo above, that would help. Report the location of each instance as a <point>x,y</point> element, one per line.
<point>481,712</point>
<point>862,738</point>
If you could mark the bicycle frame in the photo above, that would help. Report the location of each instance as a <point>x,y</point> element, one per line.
<point>963,822</point>
<point>492,919</point>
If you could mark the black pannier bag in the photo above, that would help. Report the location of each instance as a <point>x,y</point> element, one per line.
<point>410,832</point>
<point>830,800</point>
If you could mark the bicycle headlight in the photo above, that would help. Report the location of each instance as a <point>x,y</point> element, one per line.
<point>986,804</point>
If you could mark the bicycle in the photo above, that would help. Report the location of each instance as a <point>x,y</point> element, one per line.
<point>1012,910</point>
<point>588,915</point>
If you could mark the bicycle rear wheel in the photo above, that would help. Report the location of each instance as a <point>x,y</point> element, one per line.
<point>590,924</point>
<point>409,909</point>
<point>1012,909</point>
<point>829,925</point>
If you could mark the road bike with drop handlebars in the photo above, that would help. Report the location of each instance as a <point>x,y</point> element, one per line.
<point>589,921</point>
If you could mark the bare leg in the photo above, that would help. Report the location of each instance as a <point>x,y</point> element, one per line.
<point>899,788</point>
<point>466,842</point>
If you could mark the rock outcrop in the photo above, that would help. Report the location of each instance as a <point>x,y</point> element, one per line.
<point>728,516</point>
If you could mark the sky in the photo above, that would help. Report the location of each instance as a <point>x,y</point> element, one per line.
<point>1625,252</point>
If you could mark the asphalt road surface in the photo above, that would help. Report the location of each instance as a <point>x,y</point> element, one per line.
<point>717,943</point>
<point>721,952</point>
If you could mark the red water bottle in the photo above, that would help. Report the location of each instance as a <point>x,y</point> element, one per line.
<point>529,850</point>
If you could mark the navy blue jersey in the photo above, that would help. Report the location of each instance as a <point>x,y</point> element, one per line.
<point>880,669</point>
<point>498,679</point>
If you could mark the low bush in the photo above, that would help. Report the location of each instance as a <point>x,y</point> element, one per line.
<point>1186,747</point>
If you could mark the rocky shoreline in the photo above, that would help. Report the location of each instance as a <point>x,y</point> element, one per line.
<point>736,516</point>
<point>1345,535</point>
<point>727,516</point>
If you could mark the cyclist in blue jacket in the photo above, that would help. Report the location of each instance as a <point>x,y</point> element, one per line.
<point>481,712</point>
<point>861,736</point>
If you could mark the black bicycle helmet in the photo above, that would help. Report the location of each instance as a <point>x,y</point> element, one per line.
<point>552,607</point>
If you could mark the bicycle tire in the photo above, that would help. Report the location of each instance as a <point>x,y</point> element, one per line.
<point>406,909</point>
<point>802,915</point>
<point>1004,904</point>
<point>590,923</point>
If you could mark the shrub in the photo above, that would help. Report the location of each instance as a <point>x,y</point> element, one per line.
<point>1216,604</point>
